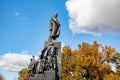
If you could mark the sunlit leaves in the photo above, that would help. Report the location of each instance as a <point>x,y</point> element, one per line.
<point>89,62</point>
<point>22,74</point>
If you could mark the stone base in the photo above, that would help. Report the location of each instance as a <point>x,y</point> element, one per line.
<point>57,46</point>
<point>48,75</point>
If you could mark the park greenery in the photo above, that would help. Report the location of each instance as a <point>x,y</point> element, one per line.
<point>87,62</point>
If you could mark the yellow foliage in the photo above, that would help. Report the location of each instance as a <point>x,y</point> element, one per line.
<point>111,77</point>
<point>22,74</point>
<point>88,62</point>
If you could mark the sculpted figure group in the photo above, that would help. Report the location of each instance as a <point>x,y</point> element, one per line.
<point>47,60</point>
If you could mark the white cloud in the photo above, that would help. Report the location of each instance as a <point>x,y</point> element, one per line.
<point>17,13</point>
<point>94,16</point>
<point>24,18</point>
<point>62,46</point>
<point>14,61</point>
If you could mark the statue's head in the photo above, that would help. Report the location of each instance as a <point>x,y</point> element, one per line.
<point>40,56</point>
<point>31,59</point>
<point>56,14</point>
<point>33,56</point>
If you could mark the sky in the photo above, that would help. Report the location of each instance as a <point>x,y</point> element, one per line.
<point>24,27</point>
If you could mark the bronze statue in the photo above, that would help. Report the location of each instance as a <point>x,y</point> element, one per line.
<point>39,67</point>
<point>30,68</point>
<point>54,28</point>
<point>47,62</point>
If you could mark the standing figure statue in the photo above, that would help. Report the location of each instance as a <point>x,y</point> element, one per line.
<point>30,68</point>
<point>54,28</point>
<point>34,68</point>
<point>54,62</point>
<point>40,66</point>
<point>49,63</point>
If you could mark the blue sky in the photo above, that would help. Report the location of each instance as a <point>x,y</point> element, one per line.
<point>24,26</point>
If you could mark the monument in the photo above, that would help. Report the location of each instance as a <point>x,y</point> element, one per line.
<point>48,66</point>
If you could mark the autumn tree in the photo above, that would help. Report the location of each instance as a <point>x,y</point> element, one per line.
<point>22,74</point>
<point>115,59</point>
<point>1,77</point>
<point>87,62</point>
